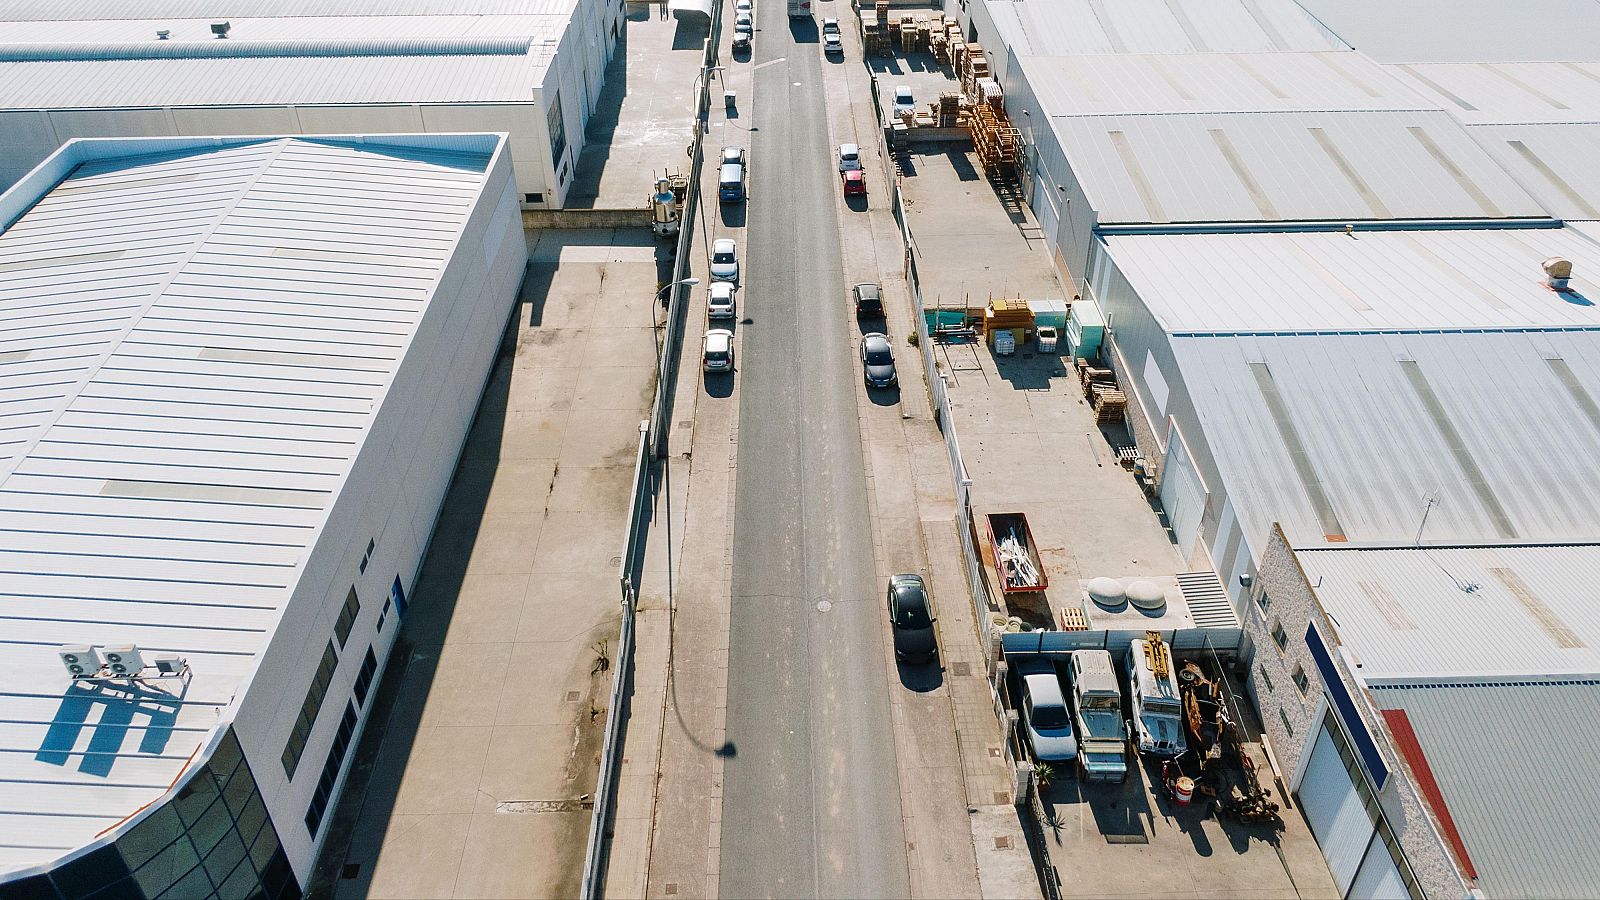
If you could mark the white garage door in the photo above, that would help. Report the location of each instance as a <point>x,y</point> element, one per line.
<point>1378,878</point>
<point>1341,824</point>
<point>1044,207</point>
<point>1182,496</point>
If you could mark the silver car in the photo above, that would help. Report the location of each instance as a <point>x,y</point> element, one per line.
<point>716,351</point>
<point>719,301</point>
<point>877,361</point>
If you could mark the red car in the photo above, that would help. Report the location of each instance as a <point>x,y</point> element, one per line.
<point>855,182</point>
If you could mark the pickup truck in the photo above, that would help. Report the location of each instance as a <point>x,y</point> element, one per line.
<point>1097,715</point>
<point>1153,693</point>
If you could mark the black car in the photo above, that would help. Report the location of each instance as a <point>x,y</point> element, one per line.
<point>908,614</point>
<point>869,300</point>
<point>877,361</point>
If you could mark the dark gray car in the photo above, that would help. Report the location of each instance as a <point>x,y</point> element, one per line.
<point>877,361</point>
<point>908,614</point>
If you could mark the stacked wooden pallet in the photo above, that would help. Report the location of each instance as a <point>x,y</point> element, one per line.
<point>908,33</point>
<point>947,114</point>
<point>1089,375</point>
<point>1109,404</point>
<point>1007,314</point>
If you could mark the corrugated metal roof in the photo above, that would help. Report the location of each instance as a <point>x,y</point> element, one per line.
<point>1464,30</point>
<point>508,78</point>
<point>1515,766</point>
<point>1372,280</point>
<point>220,10</point>
<point>1215,82</point>
<point>1556,163</point>
<point>1511,92</point>
<point>1286,166</point>
<point>190,32</point>
<point>192,346</point>
<point>1404,614</point>
<point>1157,26</point>
<point>1348,436</point>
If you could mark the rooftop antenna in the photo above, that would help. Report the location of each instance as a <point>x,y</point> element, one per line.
<point>1428,503</point>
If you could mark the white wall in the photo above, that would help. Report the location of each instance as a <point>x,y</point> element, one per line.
<point>391,496</point>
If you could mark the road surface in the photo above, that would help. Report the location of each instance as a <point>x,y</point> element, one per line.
<point>811,801</point>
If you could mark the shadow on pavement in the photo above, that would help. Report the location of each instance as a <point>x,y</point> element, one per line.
<point>733,214</point>
<point>856,202</point>
<point>720,385</point>
<point>884,396</point>
<point>804,31</point>
<point>691,34</point>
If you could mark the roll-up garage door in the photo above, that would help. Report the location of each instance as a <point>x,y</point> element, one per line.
<point>1182,495</point>
<point>1044,207</point>
<point>1340,821</point>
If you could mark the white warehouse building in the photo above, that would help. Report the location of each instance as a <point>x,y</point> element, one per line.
<point>533,69</point>
<point>236,375</point>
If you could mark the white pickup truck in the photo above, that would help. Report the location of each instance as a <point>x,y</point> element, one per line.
<point>1097,715</point>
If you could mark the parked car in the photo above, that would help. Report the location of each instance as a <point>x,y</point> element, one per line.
<point>730,182</point>
<point>742,6</point>
<point>725,261</point>
<point>830,26</point>
<point>849,157</point>
<point>869,300</point>
<point>877,361</point>
<point>716,351</point>
<point>741,40</point>
<point>1044,713</point>
<point>742,17</point>
<point>903,101</point>
<point>832,45</point>
<point>733,155</point>
<point>1153,695</point>
<point>719,301</point>
<point>911,621</point>
<point>855,183</point>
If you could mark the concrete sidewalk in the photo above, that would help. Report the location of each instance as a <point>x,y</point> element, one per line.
<point>476,783</point>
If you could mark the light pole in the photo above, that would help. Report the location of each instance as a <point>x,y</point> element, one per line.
<point>655,326</point>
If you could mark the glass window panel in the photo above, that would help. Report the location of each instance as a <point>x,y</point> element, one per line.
<point>126,889</point>
<point>240,883</point>
<point>238,790</point>
<point>193,886</point>
<point>228,853</point>
<point>36,888</point>
<point>265,846</point>
<point>251,820</point>
<point>150,837</point>
<point>291,889</point>
<point>195,797</point>
<point>227,756</point>
<point>167,868</point>
<point>212,827</point>
<point>90,872</point>
<point>276,874</point>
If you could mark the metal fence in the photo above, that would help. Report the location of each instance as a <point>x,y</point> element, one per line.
<point>652,444</point>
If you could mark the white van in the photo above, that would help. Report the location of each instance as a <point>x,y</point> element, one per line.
<point>1157,705</point>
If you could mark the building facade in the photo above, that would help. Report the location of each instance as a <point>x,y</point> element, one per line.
<point>262,358</point>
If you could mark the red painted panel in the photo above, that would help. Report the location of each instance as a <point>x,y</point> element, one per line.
<point>1405,737</point>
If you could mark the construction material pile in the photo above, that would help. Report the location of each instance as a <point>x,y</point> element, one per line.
<point>1007,315</point>
<point>947,113</point>
<point>1100,389</point>
<point>997,142</point>
<point>875,30</point>
<point>1015,566</point>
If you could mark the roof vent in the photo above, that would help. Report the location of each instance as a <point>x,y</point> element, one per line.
<point>1556,272</point>
<point>220,29</point>
<point>163,34</point>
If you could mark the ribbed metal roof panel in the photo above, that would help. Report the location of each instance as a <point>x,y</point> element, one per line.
<point>1510,92</point>
<point>187,371</point>
<point>1495,428</point>
<point>221,10</point>
<point>1554,161</point>
<point>1286,166</point>
<point>1158,26</point>
<point>1464,30</point>
<point>1514,767</point>
<point>1371,280</point>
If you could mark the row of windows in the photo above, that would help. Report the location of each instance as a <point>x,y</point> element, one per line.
<point>330,769</point>
<point>347,616</point>
<point>213,839</point>
<point>369,668</point>
<point>309,709</point>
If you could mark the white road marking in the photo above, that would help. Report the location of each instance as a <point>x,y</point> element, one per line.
<point>768,63</point>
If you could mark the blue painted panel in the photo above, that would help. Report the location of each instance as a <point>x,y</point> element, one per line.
<point>1345,705</point>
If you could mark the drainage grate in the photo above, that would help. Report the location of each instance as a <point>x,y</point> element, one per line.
<point>1002,842</point>
<point>572,696</point>
<point>1140,838</point>
<point>961,668</point>
<point>671,889</point>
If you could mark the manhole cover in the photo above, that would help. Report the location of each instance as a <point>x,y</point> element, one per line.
<point>1002,842</point>
<point>1001,798</point>
<point>670,889</point>
<point>961,668</point>
<point>824,605</point>
<point>572,696</point>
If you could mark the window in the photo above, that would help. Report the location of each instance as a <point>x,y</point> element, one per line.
<point>1263,602</point>
<point>347,616</point>
<point>383,613</point>
<point>558,131</point>
<point>367,556</point>
<point>330,770</point>
<point>1282,717</point>
<point>309,709</point>
<point>533,198</point>
<point>1266,679</point>
<point>369,667</point>
<point>1279,637</point>
<point>1300,679</point>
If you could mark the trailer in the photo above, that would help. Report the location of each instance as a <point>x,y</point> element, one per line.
<point>1016,557</point>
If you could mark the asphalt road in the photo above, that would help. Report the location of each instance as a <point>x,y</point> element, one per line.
<point>811,803</point>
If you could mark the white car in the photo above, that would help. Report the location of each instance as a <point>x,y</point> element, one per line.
<point>903,101</point>
<point>830,26</point>
<point>832,45</point>
<point>733,155</point>
<point>849,157</point>
<point>725,261</point>
<point>719,301</point>
<point>742,6</point>
<point>716,351</point>
<point>742,20</point>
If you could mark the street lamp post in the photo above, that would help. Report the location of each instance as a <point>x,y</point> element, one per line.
<point>661,300</point>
